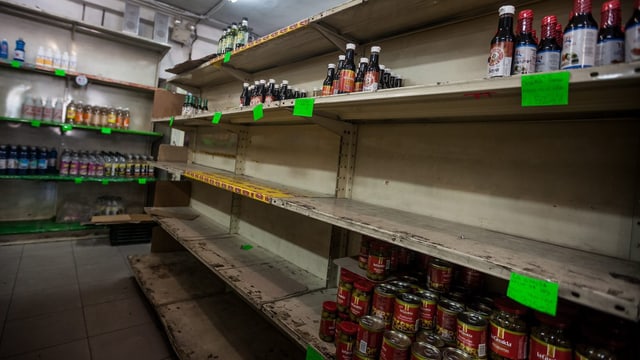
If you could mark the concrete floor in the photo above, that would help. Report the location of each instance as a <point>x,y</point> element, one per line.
<point>75,300</point>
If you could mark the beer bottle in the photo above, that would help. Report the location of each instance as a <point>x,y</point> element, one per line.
<point>242,37</point>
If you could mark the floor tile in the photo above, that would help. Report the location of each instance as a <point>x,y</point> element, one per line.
<point>77,350</point>
<point>41,279</point>
<point>135,249</point>
<point>116,315</point>
<point>4,307</point>
<point>45,261</point>
<point>115,268</point>
<point>10,251</point>
<point>108,290</point>
<point>49,248</point>
<point>52,300</point>
<point>25,335</point>
<point>143,342</point>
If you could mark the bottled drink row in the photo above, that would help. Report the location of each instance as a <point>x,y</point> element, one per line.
<point>35,108</point>
<point>234,37</point>
<point>27,160</point>
<point>370,75</point>
<point>581,45</point>
<point>262,92</point>
<point>47,57</point>
<point>105,164</point>
<point>194,105</point>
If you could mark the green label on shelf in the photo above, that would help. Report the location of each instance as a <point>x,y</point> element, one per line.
<point>312,354</point>
<point>171,121</point>
<point>537,294</point>
<point>216,117</point>
<point>142,181</point>
<point>16,63</point>
<point>227,57</point>
<point>35,123</point>
<point>258,112</point>
<point>105,182</point>
<point>105,130</point>
<point>78,180</point>
<point>246,247</point>
<point>545,89</point>
<point>60,72</point>
<point>66,127</point>
<point>303,107</point>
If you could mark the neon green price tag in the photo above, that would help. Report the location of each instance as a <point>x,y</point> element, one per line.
<point>60,72</point>
<point>548,89</point>
<point>537,294</point>
<point>216,117</point>
<point>171,119</point>
<point>66,127</point>
<point>142,181</point>
<point>35,123</point>
<point>312,354</point>
<point>77,180</point>
<point>227,57</point>
<point>246,247</point>
<point>105,182</point>
<point>16,64</point>
<point>258,112</point>
<point>106,131</point>
<point>303,107</point>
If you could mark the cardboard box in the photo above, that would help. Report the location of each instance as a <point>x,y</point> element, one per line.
<point>121,219</point>
<point>166,103</point>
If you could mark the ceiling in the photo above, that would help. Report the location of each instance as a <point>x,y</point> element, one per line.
<point>265,16</point>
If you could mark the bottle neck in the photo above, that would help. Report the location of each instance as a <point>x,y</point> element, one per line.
<point>525,26</point>
<point>363,67</point>
<point>505,24</point>
<point>611,18</point>
<point>374,59</point>
<point>581,7</point>
<point>331,72</point>
<point>549,31</point>
<point>349,56</point>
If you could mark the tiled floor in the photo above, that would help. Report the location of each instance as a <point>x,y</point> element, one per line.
<point>75,300</point>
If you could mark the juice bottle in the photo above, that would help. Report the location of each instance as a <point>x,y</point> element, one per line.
<point>502,44</point>
<point>524,59</point>
<point>580,38</point>
<point>610,45</point>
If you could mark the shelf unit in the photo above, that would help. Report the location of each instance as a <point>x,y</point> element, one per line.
<point>64,127</point>
<point>41,227</point>
<point>77,179</point>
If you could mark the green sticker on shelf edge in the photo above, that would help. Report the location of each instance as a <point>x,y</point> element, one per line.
<point>312,354</point>
<point>258,112</point>
<point>171,121</point>
<point>78,180</point>
<point>142,181</point>
<point>66,127</point>
<point>16,63</point>
<point>303,107</point>
<point>246,247</point>
<point>35,123</point>
<point>60,72</point>
<point>105,182</point>
<point>216,117</point>
<point>106,131</point>
<point>541,295</point>
<point>549,89</point>
<point>227,57</point>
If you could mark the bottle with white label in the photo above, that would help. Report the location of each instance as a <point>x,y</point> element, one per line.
<point>632,35</point>
<point>501,54</point>
<point>40,56</point>
<point>57,59</point>
<point>73,62</point>
<point>548,54</point>
<point>524,58</point>
<point>47,113</point>
<point>58,111</point>
<point>610,46</point>
<point>48,58</point>
<point>580,38</point>
<point>64,63</point>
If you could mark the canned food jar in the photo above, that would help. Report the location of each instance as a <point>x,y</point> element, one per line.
<point>402,286</point>
<point>360,299</point>
<point>549,340</point>
<point>424,351</point>
<point>395,346</point>
<point>429,337</point>
<point>341,318</point>
<point>440,275</point>
<point>481,309</point>
<point>328,321</point>
<point>471,336</point>
<point>406,313</point>
<point>384,298</point>
<point>470,279</point>
<point>455,354</point>
<point>346,343</point>
<point>508,331</point>
<point>363,256</point>
<point>377,261</point>
<point>447,320</point>
<point>405,258</point>
<point>370,335</point>
<point>394,250</point>
<point>428,308</point>
<point>345,288</point>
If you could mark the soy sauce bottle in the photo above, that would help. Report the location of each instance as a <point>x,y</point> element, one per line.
<point>269,95</point>
<point>245,97</point>
<point>632,35</point>
<point>524,61</point>
<point>284,89</point>
<point>327,84</point>
<point>256,94</point>
<point>548,55</point>
<point>364,62</point>
<point>336,77</point>
<point>501,54</point>
<point>610,45</point>
<point>580,38</point>
<point>346,83</point>
<point>372,74</point>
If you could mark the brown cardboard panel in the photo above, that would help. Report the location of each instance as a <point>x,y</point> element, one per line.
<point>162,241</point>
<point>185,213</point>
<point>171,153</point>
<point>166,104</point>
<point>121,219</point>
<point>172,193</point>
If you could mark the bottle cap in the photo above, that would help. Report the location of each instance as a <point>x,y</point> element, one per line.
<point>257,82</point>
<point>387,70</point>
<point>351,46</point>
<point>272,81</point>
<point>382,67</point>
<point>525,14</point>
<point>245,84</point>
<point>286,82</point>
<point>364,60</point>
<point>342,57</point>
<point>375,49</point>
<point>263,81</point>
<point>507,9</point>
<point>610,5</point>
<point>549,19</point>
<point>331,66</point>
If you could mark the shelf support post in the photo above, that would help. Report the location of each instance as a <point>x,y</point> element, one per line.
<point>337,249</point>
<point>346,163</point>
<point>236,200</point>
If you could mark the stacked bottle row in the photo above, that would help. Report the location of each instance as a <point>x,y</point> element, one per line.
<point>27,160</point>
<point>102,116</point>
<point>105,164</point>
<point>234,37</point>
<point>54,59</point>
<point>194,105</point>
<point>262,92</point>
<point>35,108</point>
<point>581,45</point>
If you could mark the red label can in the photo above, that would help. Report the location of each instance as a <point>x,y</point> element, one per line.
<point>384,298</point>
<point>370,335</point>
<point>406,313</point>
<point>428,309</point>
<point>508,344</point>
<point>447,320</point>
<point>540,350</point>
<point>471,335</point>
<point>440,274</point>
<point>395,346</point>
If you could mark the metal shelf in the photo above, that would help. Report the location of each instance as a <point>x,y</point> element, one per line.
<point>77,179</point>
<point>40,226</point>
<point>64,127</point>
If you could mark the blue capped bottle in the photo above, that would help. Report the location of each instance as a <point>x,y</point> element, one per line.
<point>19,52</point>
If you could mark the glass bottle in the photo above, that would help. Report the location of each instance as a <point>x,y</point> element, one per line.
<point>362,68</point>
<point>550,339</point>
<point>79,113</point>
<point>502,44</point>
<point>245,98</point>
<point>372,74</point>
<point>386,79</point>
<point>220,49</point>
<point>383,70</point>
<point>111,117</point>
<point>632,35</point>
<point>610,45</point>
<point>327,84</point>
<point>276,91</point>
<point>269,95</point>
<point>86,115</point>
<point>284,89</point>
<point>231,44</point>
<point>548,54</point>
<point>71,113</point>
<point>580,38</point>
<point>508,331</point>
<point>242,37</point>
<point>336,77</point>
<point>126,120</point>
<point>256,97</point>
<point>119,118</point>
<point>3,159</point>
<point>524,58</point>
<point>346,83</point>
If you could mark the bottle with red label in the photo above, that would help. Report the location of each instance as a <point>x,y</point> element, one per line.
<point>508,331</point>
<point>345,344</point>
<point>245,96</point>
<point>360,304</point>
<point>362,68</point>
<point>327,84</point>
<point>347,79</point>
<point>501,54</point>
<point>256,94</point>
<point>550,340</point>
<point>336,77</point>
<point>372,74</point>
<point>632,35</point>
<point>270,93</point>
<point>524,58</point>
<point>548,54</point>
<point>580,38</point>
<point>610,45</point>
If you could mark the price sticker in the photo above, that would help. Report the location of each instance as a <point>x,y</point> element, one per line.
<point>313,354</point>
<point>549,89</point>
<point>78,180</point>
<point>246,247</point>
<point>142,181</point>
<point>227,57</point>
<point>66,127</point>
<point>171,119</point>
<point>105,182</point>
<point>60,72</point>
<point>541,295</point>
<point>105,131</point>
<point>303,107</point>
<point>35,123</point>
<point>16,64</point>
<point>216,117</point>
<point>258,112</point>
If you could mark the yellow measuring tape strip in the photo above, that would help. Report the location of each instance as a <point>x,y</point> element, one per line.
<point>244,188</point>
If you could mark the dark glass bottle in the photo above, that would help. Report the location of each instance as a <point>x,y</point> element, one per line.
<point>548,55</point>
<point>525,48</point>
<point>263,90</point>
<point>3,159</point>
<point>386,79</point>
<point>383,70</point>
<point>52,160</point>
<point>346,83</point>
<point>245,98</point>
<point>580,38</point>
<point>502,44</point>
<point>284,89</point>
<point>327,84</point>
<point>632,35</point>
<point>610,45</point>
<point>372,74</point>
<point>362,68</point>
<point>256,96</point>
<point>336,77</point>
<point>269,95</point>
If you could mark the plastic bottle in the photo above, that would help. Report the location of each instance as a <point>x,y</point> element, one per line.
<point>632,35</point>
<point>47,114</point>
<point>74,164</point>
<point>57,59</point>
<point>242,37</point>
<point>610,45</point>
<point>40,56</point>
<point>48,58</point>
<point>502,44</point>
<point>12,160</point>
<point>65,163</point>
<point>91,165</point>
<point>19,52</point>
<point>3,159</point>
<point>372,75</point>
<point>4,49</point>
<point>346,83</point>
<point>524,58</point>
<point>336,77</point>
<point>580,38</point>
<point>33,160</point>
<point>38,108</point>
<point>73,62</point>
<point>108,164</point>
<point>64,63</point>
<point>99,166</point>
<point>27,108</point>
<point>43,161</point>
<point>52,159</point>
<point>23,160</point>
<point>83,164</point>
<point>548,54</point>
<point>71,113</point>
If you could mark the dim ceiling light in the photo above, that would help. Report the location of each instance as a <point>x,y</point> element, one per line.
<point>233,1</point>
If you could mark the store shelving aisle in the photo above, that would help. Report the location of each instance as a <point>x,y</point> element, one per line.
<point>75,300</point>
